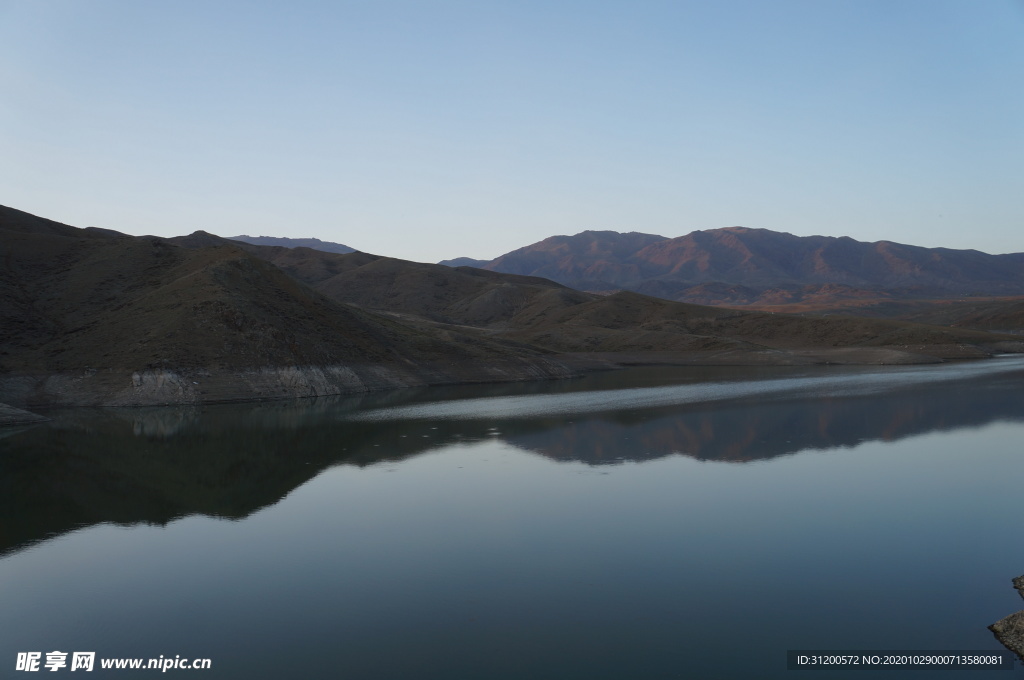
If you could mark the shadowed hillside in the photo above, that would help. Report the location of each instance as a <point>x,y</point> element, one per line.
<point>460,296</point>
<point>999,315</point>
<point>629,322</point>
<point>989,315</point>
<point>129,317</point>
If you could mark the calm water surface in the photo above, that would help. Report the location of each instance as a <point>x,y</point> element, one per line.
<point>653,523</point>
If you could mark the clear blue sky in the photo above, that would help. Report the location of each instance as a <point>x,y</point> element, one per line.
<point>428,130</point>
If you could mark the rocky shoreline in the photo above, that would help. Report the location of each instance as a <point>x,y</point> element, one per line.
<point>165,387</point>
<point>1010,630</point>
<point>178,386</point>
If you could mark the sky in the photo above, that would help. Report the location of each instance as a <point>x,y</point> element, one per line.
<point>431,130</point>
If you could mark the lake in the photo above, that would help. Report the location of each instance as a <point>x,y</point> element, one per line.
<point>647,523</point>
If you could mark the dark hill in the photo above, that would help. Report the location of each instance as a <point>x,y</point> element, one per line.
<point>990,315</point>
<point>464,296</point>
<point>460,295</point>
<point>629,322</point>
<point>97,316</point>
<point>1004,315</point>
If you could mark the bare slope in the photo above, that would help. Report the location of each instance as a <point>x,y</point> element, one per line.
<point>590,260</point>
<point>737,265</point>
<point>629,322</point>
<point>136,318</point>
<point>989,315</point>
<point>1005,315</point>
<point>460,296</point>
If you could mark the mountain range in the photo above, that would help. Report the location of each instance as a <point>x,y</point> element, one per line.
<point>737,266</point>
<point>778,272</point>
<point>543,314</point>
<point>741,266</point>
<point>92,316</point>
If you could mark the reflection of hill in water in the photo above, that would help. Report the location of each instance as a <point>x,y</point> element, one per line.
<point>752,430</point>
<point>156,465</point>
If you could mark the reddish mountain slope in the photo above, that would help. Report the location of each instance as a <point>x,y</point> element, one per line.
<point>591,260</point>
<point>746,266</point>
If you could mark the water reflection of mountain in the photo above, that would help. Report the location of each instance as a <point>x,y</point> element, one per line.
<point>751,430</point>
<point>156,465</point>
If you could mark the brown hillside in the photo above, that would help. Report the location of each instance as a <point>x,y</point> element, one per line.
<point>978,313</point>
<point>629,322</point>
<point>461,295</point>
<point>119,302</point>
<point>590,260</point>
<point>759,266</point>
<point>114,306</point>
<point>989,315</point>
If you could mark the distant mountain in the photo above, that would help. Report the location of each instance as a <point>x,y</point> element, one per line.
<point>314,243</point>
<point>591,260</point>
<point>464,262</point>
<point>737,265</point>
